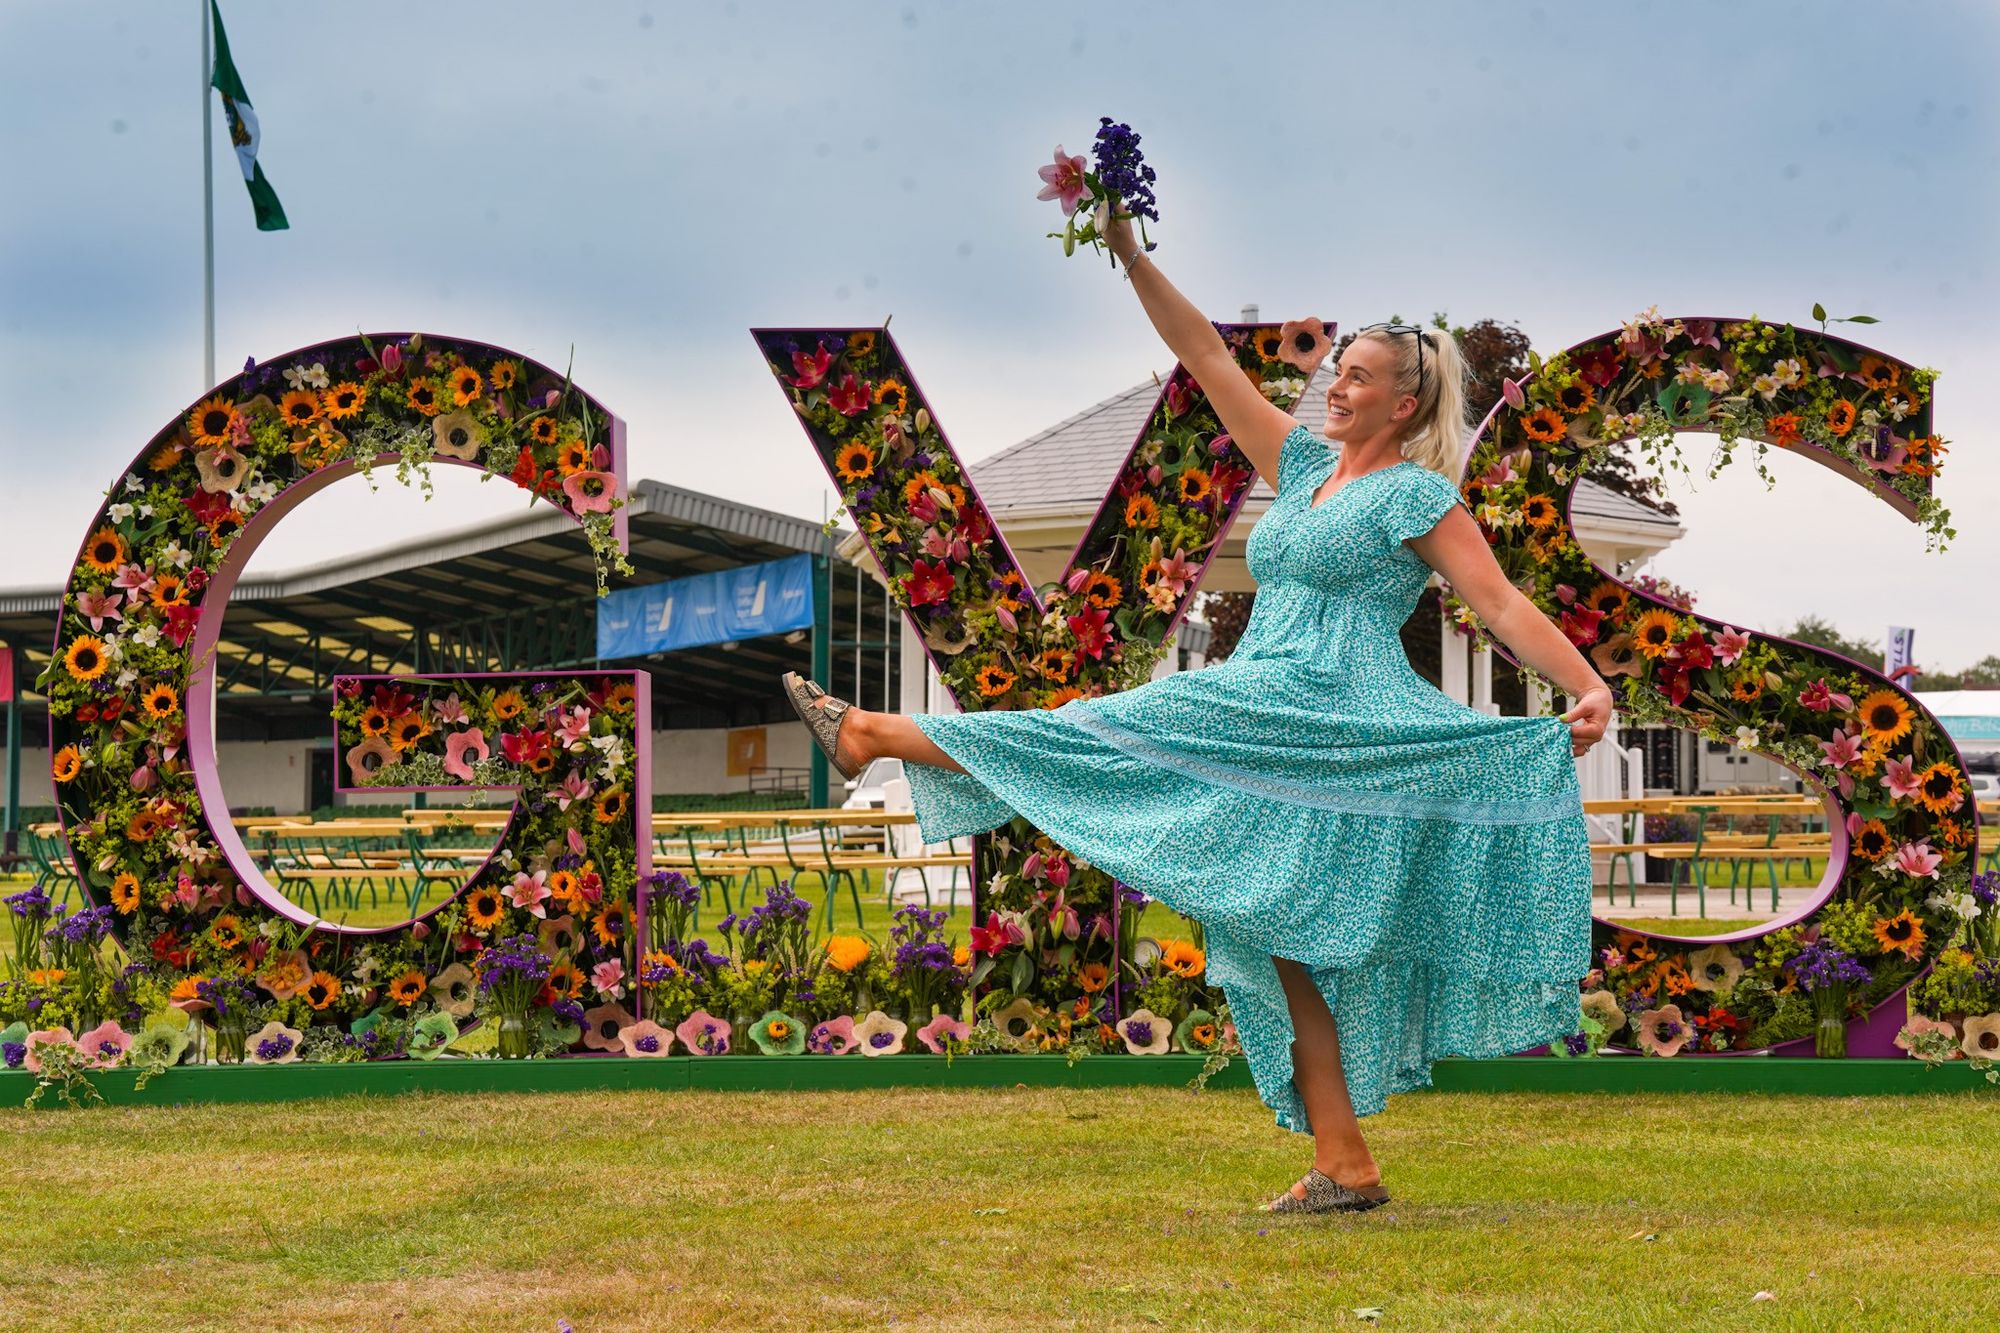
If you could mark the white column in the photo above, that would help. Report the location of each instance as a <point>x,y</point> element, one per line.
<point>1482,680</point>
<point>1539,702</point>
<point>916,669</point>
<point>1170,659</point>
<point>1454,675</point>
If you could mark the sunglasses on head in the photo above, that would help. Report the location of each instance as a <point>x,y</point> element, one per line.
<point>1422,338</point>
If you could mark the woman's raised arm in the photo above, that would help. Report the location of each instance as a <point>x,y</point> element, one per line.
<point>1257,425</point>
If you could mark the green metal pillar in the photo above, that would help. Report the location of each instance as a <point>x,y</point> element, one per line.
<point>822,664</point>
<point>11,840</point>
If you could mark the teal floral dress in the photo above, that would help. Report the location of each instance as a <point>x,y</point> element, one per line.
<point>1313,798</point>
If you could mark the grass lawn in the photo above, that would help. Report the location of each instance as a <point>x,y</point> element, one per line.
<point>999,1209</point>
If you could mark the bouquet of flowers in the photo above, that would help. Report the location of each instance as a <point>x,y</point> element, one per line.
<point>512,973</point>
<point>1121,181</point>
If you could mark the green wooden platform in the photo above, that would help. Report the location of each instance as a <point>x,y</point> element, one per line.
<point>1609,1074</point>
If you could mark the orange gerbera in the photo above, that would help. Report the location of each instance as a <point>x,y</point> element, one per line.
<point>1885,716</point>
<point>1544,424</point>
<point>211,421</point>
<point>1141,512</point>
<point>1901,933</point>
<point>844,953</point>
<point>1938,790</point>
<point>1873,842</point>
<point>1195,484</point>
<point>1103,591</point>
<point>994,680</point>
<point>1840,418</point>
<point>105,550</point>
<point>1653,634</point>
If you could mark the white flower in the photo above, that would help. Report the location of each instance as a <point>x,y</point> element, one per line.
<point>1717,380</point>
<point>176,554</point>
<point>1765,385</point>
<point>132,483</point>
<point>1899,408</point>
<point>1746,737</point>
<point>1964,904</point>
<point>147,636</point>
<point>145,511</point>
<point>113,649</point>
<point>119,512</point>
<point>262,493</point>
<point>307,377</point>
<point>1788,371</point>
<point>125,682</point>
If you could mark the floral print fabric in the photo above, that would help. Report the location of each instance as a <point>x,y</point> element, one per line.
<point>1313,798</point>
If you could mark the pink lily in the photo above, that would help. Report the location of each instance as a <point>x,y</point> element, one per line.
<point>1917,858</point>
<point>1511,391</point>
<point>575,839</point>
<point>574,727</point>
<point>1565,594</point>
<point>1900,777</point>
<point>811,369</point>
<point>609,978</point>
<point>1062,180</point>
<point>1176,570</point>
<point>1058,871</point>
<point>1730,645</point>
<point>1006,619</point>
<point>933,544</point>
<point>97,607</point>
<point>530,891</point>
<point>452,712</point>
<point>1819,697</point>
<point>571,789</point>
<point>132,579</point>
<point>1842,750</point>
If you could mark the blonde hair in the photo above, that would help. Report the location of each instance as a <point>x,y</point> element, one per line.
<point>1434,436</point>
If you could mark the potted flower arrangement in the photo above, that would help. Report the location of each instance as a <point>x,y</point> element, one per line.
<point>512,972</point>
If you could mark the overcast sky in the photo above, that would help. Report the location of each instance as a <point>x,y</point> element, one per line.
<point>646,182</point>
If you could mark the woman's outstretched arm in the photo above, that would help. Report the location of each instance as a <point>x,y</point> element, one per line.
<point>1256,425</point>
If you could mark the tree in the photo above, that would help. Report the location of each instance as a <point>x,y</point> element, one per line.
<point>1822,634</point>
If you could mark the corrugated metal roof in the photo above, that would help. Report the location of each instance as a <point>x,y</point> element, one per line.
<point>1070,464</point>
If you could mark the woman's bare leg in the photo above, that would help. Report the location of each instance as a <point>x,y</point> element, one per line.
<point>1338,1148</point>
<point>865,736</point>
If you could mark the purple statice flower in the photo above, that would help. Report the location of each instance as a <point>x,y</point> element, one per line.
<point>921,459</point>
<point>1576,1043</point>
<point>1985,888</point>
<point>224,993</point>
<point>1122,169</point>
<point>648,1043</point>
<point>1820,965</point>
<point>673,884</point>
<point>881,1039</point>
<point>32,903</point>
<point>570,1011</point>
<point>518,959</point>
<point>12,1053</point>
<point>274,1048</point>
<point>1139,1032</point>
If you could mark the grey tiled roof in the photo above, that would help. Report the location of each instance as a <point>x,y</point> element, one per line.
<point>1071,463</point>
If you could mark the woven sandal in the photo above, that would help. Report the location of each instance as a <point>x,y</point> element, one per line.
<point>1324,1194</point>
<point>822,719</point>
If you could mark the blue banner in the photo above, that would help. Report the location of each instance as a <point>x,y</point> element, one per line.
<point>730,604</point>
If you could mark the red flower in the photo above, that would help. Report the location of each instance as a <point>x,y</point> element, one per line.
<point>393,700</point>
<point>523,474</point>
<point>995,935</point>
<point>87,713</point>
<point>1581,623</point>
<point>524,747</point>
<point>180,623</point>
<point>1088,625</point>
<point>1694,651</point>
<point>811,369</point>
<point>208,506</point>
<point>112,708</point>
<point>1601,365</point>
<point>1674,682</point>
<point>928,583</point>
<point>849,397</point>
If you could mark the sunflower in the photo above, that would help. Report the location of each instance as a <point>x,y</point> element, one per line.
<point>125,893</point>
<point>611,924</point>
<point>1901,933</point>
<point>1053,663</point>
<point>142,827</point>
<point>226,931</point>
<point>508,704</point>
<point>544,430</point>
<point>574,456</point>
<point>860,343</point>
<point>1747,688</point>
<point>164,457</point>
<point>105,550</point>
<point>1937,788</point>
<point>1873,842</point>
<point>407,989</point>
<point>1607,597</point>
<point>994,680</point>
<point>1878,373</point>
<point>563,885</point>
<point>502,374</point>
<point>1576,398</point>
<point>566,980</point>
<point>66,764</point>
<point>1012,584</point>
<point>1544,424</point>
<point>343,400</point>
<point>374,722</point>
<point>169,591</point>
<point>224,526</point>
<point>407,730</point>
<point>483,907</point>
<point>611,806</point>
<point>1840,418</point>
<point>466,385</point>
<point>211,422</point>
<point>854,461</point>
<point>1539,511</point>
<point>160,701</point>
<point>1885,717</point>
<point>300,407</point>
<point>85,659</point>
<point>1102,591</point>
<point>622,698</point>
<point>918,483</point>
<point>1195,485</point>
<point>893,394</point>
<point>1267,343</point>
<point>322,990</point>
<point>1058,697</point>
<point>423,395</point>
<point>543,762</point>
<point>1141,512</point>
<point>1181,958</point>
<point>1653,634</point>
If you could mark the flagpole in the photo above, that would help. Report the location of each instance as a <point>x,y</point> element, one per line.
<point>207,213</point>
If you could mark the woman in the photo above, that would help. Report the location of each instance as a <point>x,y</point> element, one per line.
<point>1384,876</point>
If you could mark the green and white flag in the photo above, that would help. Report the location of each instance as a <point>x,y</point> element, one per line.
<point>243,131</point>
